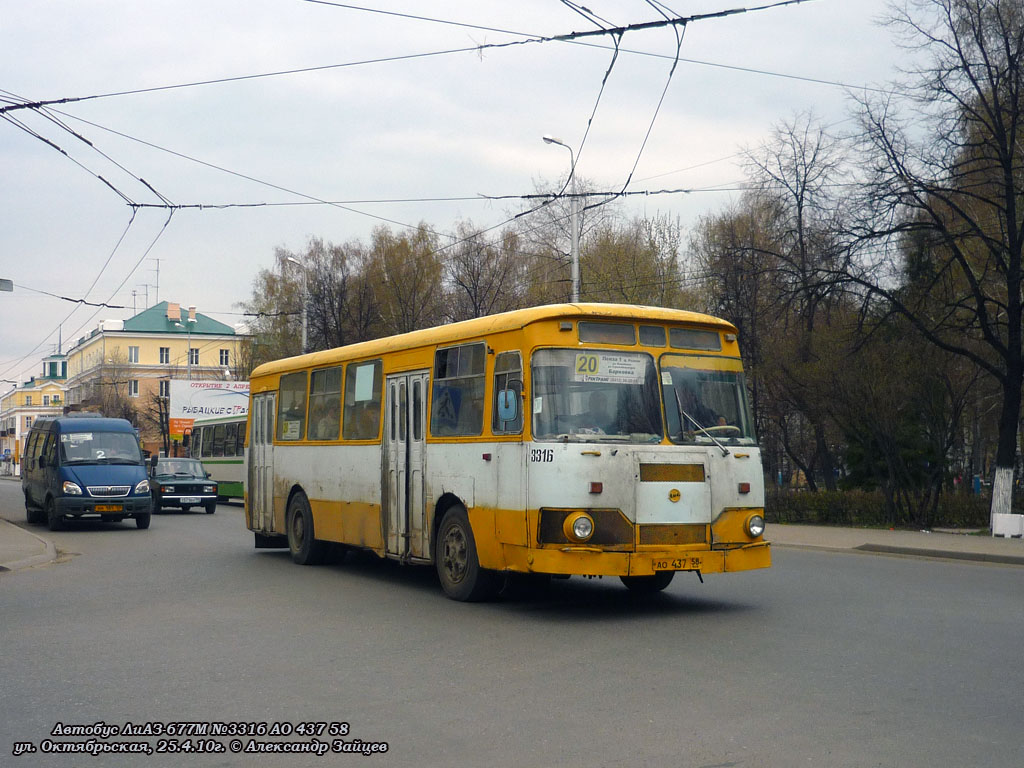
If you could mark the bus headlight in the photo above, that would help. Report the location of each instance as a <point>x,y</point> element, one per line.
<point>579,526</point>
<point>755,525</point>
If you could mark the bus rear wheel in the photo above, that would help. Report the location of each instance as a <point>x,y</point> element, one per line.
<point>305,549</point>
<point>648,585</point>
<point>458,566</point>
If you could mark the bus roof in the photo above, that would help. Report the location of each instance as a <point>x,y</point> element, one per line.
<point>481,326</point>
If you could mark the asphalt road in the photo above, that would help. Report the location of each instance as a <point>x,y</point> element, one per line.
<point>824,660</point>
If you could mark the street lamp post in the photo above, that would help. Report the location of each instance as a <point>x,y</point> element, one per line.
<point>574,218</point>
<point>305,297</point>
<point>188,329</point>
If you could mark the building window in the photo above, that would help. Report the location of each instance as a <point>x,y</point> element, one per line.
<point>165,388</point>
<point>28,399</point>
<point>133,354</point>
<point>193,356</point>
<point>28,423</point>
<point>165,355</point>
<point>46,399</point>
<point>133,388</point>
<point>224,357</point>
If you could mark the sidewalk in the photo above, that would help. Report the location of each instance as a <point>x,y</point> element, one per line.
<point>20,548</point>
<point>944,544</point>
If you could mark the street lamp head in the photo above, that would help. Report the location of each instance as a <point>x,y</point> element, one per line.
<point>552,140</point>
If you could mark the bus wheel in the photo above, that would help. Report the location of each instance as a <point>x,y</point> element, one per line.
<point>455,556</point>
<point>648,585</point>
<point>305,549</point>
<point>53,519</point>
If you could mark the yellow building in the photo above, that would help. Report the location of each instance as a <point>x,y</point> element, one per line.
<point>19,407</point>
<point>123,368</point>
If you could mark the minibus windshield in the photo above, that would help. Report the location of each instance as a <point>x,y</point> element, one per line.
<point>99,448</point>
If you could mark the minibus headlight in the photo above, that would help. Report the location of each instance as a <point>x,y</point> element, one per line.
<point>142,487</point>
<point>755,525</point>
<point>71,489</point>
<point>578,526</point>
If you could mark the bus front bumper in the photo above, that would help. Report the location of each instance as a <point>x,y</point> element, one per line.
<point>581,561</point>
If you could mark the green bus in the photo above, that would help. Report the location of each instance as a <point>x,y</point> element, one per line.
<point>219,443</point>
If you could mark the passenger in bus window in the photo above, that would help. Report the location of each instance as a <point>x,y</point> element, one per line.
<point>695,410</point>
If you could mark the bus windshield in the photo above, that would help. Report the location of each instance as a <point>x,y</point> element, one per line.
<point>705,400</point>
<point>595,395</point>
<point>99,448</point>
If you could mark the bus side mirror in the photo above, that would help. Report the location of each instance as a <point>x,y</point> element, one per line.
<point>508,405</point>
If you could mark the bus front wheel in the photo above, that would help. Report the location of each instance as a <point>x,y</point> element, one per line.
<point>305,549</point>
<point>648,585</point>
<point>458,566</point>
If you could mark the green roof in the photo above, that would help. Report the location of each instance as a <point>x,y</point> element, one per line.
<point>154,320</point>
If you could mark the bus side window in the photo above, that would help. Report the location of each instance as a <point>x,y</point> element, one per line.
<point>363,388</point>
<point>230,436</point>
<point>325,404</point>
<point>291,407</point>
<point>457,400</point>
<point>508,375</point>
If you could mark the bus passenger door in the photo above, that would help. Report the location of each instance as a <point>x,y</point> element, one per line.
<point>405,427</point>
<point>261,462</point>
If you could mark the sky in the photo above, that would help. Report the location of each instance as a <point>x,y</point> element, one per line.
<point>390,118</point>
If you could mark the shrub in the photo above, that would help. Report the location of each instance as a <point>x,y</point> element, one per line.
<point>868,509</point>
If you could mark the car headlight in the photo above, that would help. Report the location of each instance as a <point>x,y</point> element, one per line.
<point>71,489</point>
<point>578,526</point>
<point>755,525</point>
<point>210,489</point>
<point>142,487</point>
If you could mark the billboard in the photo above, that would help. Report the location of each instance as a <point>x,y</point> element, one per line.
<point>191,400</point>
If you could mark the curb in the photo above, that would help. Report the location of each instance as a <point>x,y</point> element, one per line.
<point>48,555</point>
<point>981,557</point>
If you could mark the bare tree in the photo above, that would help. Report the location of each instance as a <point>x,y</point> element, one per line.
<point>944,202</point>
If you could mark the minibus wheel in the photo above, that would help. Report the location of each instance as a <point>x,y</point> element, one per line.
<point>142,521</point>
<point>33,514</point>
<point>305,549</point>
<point>648,585</point>
<point>53,520</point>
<point>458,566</point>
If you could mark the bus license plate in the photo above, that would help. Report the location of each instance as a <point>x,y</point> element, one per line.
<point>692,563</point>
<point>109,508</point>
<point>190,500</point>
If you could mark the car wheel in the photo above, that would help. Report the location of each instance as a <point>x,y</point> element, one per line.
<point>54,520</point>
<point>458,566</point>
<point>648,585</point>
<point>302,542</point>
<point>211,507</point>
<point>142,521</point>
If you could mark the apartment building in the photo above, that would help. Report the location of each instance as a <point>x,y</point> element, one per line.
<point>125,367</point>
<point>20,406</point>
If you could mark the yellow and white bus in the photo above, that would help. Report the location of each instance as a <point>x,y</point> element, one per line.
<point>586,439</point>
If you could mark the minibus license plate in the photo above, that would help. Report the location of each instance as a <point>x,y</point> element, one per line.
<point>109,508</point>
